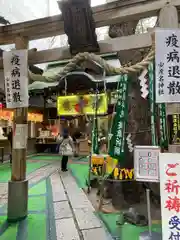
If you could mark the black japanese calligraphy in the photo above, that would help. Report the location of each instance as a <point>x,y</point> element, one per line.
<point>161,85</point>
<point>172,41</point>
<point>174,71</point>
<point>174,88</point>
<point>161,78</point>
<point>16,97</point>
<point>15,60</point>
<point>160,91</point>
<point>16,84</point>
<point>15,72</point>
<point>173,56</point>
<point>173,67</point>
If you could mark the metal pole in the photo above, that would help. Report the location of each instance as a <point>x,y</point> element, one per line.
<point>18,186</point>
<point>89,173</point>
<point>149,212</point>
<point>149,235</point>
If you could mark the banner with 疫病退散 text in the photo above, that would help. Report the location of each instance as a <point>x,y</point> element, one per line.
<point>15,64</point>
<point>167,65</point>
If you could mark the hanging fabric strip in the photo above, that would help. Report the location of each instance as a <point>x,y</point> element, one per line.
<point>95,144</point>
<point>163,125</point>
<point>117,135</point>
<point>152,102</point>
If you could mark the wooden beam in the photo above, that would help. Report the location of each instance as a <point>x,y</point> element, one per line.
<point>104,15</point>
<point>106,46</point>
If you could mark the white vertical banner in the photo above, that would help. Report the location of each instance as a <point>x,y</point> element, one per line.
<point>167,60</point>
<point>16,78</point>
<point>170,195</point>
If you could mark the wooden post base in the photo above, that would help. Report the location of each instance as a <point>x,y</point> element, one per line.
<point>17,200</point>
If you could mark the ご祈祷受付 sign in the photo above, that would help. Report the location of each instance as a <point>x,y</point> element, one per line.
<point>167,59</point>
<point>16,78</point>
<point>169,164</point>
<point>146,163</point>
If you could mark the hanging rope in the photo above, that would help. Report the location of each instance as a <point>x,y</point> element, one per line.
<point>109,69</point>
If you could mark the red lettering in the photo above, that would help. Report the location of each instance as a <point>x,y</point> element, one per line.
<point>169,172</point>
<point>172,187</point>
<point>173,203</point>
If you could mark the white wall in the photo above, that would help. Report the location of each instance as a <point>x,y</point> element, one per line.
<point>2,80</point>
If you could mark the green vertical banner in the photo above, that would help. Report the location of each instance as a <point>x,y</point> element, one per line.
<point>95,144</point>
<point>117,134</point>
<point>163,125</point>
<point>152,102</point>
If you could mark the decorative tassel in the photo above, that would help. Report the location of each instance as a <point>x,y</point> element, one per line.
<point>144,86</point>
<point>129,143</point>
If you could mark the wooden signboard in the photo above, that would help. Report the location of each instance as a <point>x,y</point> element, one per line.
<point>79,26</point>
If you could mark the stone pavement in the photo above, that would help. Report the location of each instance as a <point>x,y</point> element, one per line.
<point>33,178</point>
<point>75,217</point>
<point>61,211</point>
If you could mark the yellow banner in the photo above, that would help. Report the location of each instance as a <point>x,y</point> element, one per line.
<point>77,105</point>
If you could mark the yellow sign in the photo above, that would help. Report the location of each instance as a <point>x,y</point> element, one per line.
<point>77,105</point>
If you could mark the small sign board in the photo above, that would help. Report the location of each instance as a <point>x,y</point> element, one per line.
<point>16,78</point>
<point>146,163</point>
<point>169,164</point>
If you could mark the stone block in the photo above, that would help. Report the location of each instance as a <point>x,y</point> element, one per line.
<point>86,219</point>
<point>66,229</point>
<point>96,233</point>
<point>57,188</point>
<point>62,210</point>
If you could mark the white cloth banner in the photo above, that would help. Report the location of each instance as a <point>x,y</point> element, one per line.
<point>167,60</point>
<point>16,78</point>
<point>170,195</point>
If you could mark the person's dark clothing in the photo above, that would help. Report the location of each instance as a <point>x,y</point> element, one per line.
<point>9,136</point>
<point>64,162</point>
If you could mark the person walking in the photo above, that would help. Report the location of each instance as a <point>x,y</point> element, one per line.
<point>66,149</point>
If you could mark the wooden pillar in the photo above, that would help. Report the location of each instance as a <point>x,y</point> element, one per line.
<point>168,18</point>
<point>18,186</point>
<point>20,117</point>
